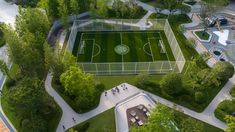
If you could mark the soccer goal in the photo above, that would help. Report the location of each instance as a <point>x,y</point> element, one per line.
<point>162,47</point>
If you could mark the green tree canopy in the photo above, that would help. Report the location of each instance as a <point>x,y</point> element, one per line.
<point>80,86</point>
<point>32,20</point>
<point>223,70</point>
<point>161,119</point>
<point>26,43</point>
<point>76,82</point>
<point>4,69</point>
<point>27,96</point>
<point>230,123</point>
<point>171,84</point>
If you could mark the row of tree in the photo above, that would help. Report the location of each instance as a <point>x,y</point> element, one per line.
<point>196,84</point>
<point>27,47</point>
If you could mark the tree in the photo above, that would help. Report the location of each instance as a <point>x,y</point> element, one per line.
<point>171,84</point>
<point>99,7</point>
<point>79,85</point>
<point>44,5</point>
<point>32,20</point>
<point>58,62</point>
<point>171,5</point>
<point>230,123</point>
<point>53,10</point>
<point>4,69</point>
<point>161,119</point>
<point>63,12</point>
<point>26,43</point>
<point>200,97</point>
<point>223,70</point>
<point>74,7</point>
<point>27,96</point>
<point>206,80</point>
<point>191,125</point>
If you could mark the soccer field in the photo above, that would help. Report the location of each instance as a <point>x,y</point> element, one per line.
<point>108,47</point>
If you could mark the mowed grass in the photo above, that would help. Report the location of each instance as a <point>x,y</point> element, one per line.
<point>104,122</point>
<point>143,47</point>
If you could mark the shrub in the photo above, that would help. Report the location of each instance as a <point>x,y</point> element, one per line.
<point>100,87</point>
<point>172,84</point>
<point>227,107</point>
<point>153,16</point>
<point>10,83</point>
<point>232,92</point>
<point>223,70</point>
<point>200,97</point>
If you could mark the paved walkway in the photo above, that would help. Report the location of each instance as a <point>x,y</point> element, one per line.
<point>106,102</point>
<point>109,101</point>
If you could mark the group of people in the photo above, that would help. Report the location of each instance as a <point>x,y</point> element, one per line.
<point>116,89</point>
<point>73,121</point>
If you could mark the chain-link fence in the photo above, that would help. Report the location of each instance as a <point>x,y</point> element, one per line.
<point>123,68</point>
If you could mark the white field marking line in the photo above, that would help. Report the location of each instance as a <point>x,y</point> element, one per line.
<point>131,32</point>
<point>79,46</point>
<point>166,51</point>
<point>122,54</point>
<point>93,47</point>
<point>151,50</point>
<point>145,50</point>
<point>98,50</point>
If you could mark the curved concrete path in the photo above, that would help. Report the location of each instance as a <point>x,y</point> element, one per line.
<point>106,102</point>
<point>3,56</point>
<point>109,101</point>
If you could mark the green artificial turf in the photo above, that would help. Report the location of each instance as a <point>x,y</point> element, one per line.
<point>143,47</point>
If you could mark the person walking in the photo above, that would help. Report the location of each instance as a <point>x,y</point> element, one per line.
<point>74,119</point>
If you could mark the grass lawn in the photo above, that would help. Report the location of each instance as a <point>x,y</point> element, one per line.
<point>52,120</point>
<point>104,122</point>
<point>112,81</point>
<point>205,127</point>
<point>202,35</point>
<point>141,46</point>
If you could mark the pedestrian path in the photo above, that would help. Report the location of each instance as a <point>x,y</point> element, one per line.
<point>106,102</point>
<point>109,101</point>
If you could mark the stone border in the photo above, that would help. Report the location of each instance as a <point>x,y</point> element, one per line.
<point>206,41</point>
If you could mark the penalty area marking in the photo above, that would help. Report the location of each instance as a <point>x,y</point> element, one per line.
<point>99,50</point>
<point>146,52</point>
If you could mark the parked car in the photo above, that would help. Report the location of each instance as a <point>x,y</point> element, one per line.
<point>222,20</point>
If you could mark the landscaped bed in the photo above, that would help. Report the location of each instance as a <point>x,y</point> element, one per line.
<point>227,107</point>
<point>202,35</point>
